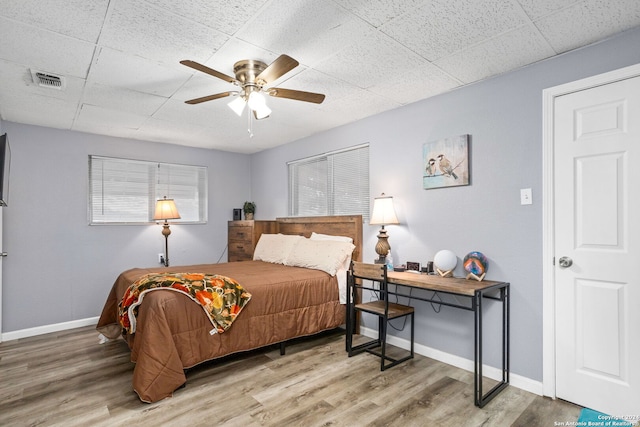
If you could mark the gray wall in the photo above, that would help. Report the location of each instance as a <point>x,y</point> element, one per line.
<point>504,118</point>
<point>61,269</point>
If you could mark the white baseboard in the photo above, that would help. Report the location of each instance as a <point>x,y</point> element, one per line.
<point>46,329</point>
<point>515,380</point>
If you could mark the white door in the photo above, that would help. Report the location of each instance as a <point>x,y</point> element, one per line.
<point>597,231</point>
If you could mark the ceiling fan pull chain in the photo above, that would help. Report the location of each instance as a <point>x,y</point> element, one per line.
<point>250,124</point>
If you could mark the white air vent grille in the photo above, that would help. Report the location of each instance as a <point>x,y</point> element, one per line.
<point>49,80</point>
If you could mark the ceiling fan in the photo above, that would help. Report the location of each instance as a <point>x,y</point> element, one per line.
<point>253,77</point>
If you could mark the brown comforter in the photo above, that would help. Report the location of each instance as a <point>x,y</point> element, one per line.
<point>173,332</point>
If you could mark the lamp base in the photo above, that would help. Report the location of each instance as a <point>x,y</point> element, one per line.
<point>382,247</point>
<point>380,260</point>
<point>166,231</point>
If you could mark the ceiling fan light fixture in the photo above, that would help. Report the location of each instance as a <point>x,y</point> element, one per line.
<point>237,105</point>
<point>256,101</point>
<point>262,112</point>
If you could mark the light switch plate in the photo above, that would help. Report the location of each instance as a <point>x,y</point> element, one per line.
<point>525,196</point>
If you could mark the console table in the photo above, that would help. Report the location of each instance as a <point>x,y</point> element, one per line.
<point>447,291</point>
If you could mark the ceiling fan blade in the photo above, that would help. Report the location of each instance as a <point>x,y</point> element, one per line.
<point>298,95</point>
<point>278,68</point>
<point>208,98</point>
<point>210,71</point>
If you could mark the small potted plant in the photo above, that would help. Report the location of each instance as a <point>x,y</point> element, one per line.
<point>249,209</point>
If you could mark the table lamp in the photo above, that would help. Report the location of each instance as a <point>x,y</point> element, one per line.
<point>383,214</point>
<point>165,210</point>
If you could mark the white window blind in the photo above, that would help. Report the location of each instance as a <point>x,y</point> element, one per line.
<point>123,191</point>
<point>335,183</point>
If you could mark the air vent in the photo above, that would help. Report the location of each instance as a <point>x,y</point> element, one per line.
<point>48,80</point>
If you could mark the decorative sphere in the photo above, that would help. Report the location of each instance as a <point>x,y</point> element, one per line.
<point>445,260</point>
<point>475,262</point>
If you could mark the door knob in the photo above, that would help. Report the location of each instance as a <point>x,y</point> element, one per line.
<point>565,262</point>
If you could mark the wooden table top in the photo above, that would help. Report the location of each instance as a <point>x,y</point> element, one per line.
<point>456,285</point>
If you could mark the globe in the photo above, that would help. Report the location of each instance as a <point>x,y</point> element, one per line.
<point>445,260</point>
<point>476,263</point>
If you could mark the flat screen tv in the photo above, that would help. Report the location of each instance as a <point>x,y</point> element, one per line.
<point>5,161</point>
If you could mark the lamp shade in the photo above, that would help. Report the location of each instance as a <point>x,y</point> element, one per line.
<point>262,112</point>
<point>237,105</point>
<point>256,100</point>
<point>166,209</point>
<point>383,211</point>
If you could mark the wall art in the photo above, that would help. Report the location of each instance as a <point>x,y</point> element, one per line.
<point>445,163</point>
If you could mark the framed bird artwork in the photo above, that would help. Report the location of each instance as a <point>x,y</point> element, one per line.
<point>445,163</point>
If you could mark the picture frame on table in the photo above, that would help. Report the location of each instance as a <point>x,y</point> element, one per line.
<point>413,266</point>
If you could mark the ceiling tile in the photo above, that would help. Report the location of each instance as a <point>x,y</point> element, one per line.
<point>170,131</point>
<point>537,8</point>
<point>141,29</point>
<point>379,12</point>
<point>122,99</point>
<point>121,70</point>
<point>361,104</point>
<point>44,50</point>
<point>442,27</point>
<point>34,109</point>
<point>60,16</point>
<point>426,81</point>
<point>226,16</point>
<point>17,79</point>
<point>589,21</point>
<point>23,101</point>
<point>236,50</point>
<point>307,30</point>
<point>498,55</point>
<point>372,61</point>
<point>106,120</point>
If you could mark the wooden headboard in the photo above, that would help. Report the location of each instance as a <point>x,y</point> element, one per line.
<point>340,225</point>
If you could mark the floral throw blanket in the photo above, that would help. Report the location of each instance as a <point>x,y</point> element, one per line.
<point>221,297</point>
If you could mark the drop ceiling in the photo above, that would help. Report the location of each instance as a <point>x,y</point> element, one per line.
<point>121,76</point>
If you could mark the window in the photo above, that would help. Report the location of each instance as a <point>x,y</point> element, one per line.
<point>123,191</point>
<point>335,183</point>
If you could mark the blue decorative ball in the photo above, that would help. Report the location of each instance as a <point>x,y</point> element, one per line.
<point>476,263</point>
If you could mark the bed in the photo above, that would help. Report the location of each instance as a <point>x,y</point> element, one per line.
<point>173,333</point>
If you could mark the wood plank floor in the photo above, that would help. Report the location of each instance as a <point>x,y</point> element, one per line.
<point>69,379</point>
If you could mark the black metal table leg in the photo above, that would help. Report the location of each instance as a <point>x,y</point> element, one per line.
<point>481,399</point>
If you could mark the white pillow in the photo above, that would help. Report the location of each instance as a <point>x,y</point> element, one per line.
<point>341,275</point>
<point>275,248</point>
<point>318,236</point>
<point>325,255</point>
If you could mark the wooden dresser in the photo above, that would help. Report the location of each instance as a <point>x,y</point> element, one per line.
<point>244,235</point>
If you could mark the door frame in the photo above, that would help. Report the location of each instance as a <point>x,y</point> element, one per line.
<point>1,260</point>
<point>548,231</point>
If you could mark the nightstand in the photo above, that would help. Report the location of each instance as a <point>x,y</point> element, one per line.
<point>243,237</point>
